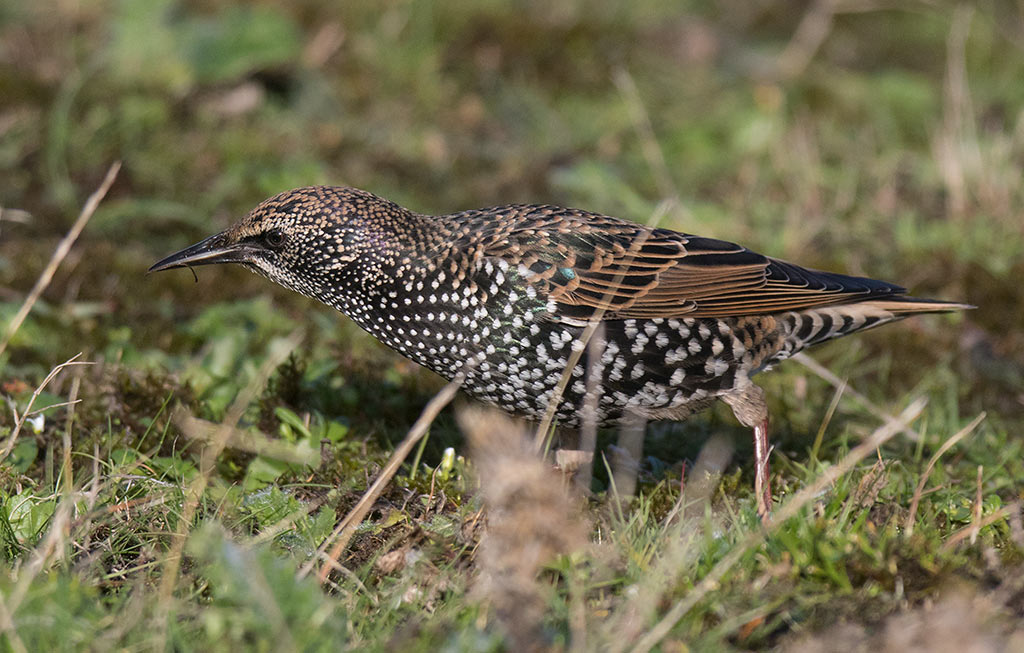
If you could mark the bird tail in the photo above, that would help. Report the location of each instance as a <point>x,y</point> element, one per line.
<point>809,327</point>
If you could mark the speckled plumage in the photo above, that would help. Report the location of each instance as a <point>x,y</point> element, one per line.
<point>503,295</point>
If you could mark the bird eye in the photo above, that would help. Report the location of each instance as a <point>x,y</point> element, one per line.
<point>275,238</point>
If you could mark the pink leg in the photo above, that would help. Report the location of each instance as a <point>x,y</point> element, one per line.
<point>762,481</point>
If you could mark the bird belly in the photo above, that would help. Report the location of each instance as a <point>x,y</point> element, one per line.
<point>658,368</point>
<point>513,356</point>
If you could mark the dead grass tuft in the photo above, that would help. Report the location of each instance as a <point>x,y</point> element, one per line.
<point>532,518</point>
<point>958,623</point>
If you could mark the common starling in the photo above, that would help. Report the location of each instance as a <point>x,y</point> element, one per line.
<point>502,296</point>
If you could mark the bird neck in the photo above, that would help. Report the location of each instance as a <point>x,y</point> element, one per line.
<point>399,249</point>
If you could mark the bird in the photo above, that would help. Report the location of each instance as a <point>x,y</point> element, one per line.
<point>501,297</point>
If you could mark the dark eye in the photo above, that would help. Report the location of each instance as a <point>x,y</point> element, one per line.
<point>275,238</point>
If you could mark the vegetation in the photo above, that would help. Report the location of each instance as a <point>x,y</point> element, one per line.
<point>178,484</point>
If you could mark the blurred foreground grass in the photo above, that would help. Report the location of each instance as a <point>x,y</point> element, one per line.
<point>880,142</point>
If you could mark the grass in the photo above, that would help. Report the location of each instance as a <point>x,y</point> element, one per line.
<point>182,484</point>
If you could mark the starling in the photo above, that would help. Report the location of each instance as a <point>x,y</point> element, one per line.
<point>502,296</point>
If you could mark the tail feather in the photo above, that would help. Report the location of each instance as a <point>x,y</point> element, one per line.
<point>810,327</point>
<point>908,305</point>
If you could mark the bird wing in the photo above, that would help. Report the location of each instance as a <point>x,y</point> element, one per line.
<point>584,264</point>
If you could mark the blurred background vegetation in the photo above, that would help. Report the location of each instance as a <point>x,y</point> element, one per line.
<point>873,139</point>
<point>882,141</point>
<point>870,137</point>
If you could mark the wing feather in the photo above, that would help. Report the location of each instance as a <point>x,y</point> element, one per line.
<point>587,263</point>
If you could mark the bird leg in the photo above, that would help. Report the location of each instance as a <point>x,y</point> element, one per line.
<point>749,407</point>
<point>762,471</point>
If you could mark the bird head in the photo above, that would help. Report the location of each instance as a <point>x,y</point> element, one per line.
<point>309,239</point>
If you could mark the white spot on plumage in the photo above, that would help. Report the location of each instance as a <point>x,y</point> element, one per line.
<point>738,350</point>
<point>639,343</point>
<point>676,355</point>
<point>715,366</point>
<point>556,340</point>
<point>637,372</point>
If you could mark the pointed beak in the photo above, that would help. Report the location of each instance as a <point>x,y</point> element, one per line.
<point>215,249</point>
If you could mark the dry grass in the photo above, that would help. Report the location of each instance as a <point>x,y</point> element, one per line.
<point>958,622</point>
<point>789,509</point>
<point>214,446</point>
<point>532,518</point>
<point>946,446</point>
<point>346,527</point>
<point>46,276</point>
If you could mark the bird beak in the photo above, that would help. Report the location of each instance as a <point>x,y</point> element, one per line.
<point>215,249</point>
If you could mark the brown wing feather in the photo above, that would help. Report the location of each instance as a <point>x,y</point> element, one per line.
<point>586,263</point>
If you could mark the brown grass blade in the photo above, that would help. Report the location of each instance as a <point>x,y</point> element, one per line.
<point>19,421</point>
<point>63,247</point>
<point>346,527</point>
<point>838,383</point>
<point>946,446</point>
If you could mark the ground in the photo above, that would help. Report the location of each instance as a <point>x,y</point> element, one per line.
<point>848,136</point>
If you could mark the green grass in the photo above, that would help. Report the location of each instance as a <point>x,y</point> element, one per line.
<point>891,149</point>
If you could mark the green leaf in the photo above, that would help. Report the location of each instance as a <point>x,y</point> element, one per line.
<point>122,457</point>
<point>239,41</point>
<point>289,417</point>
<point>270,505</point>
<point>333,431</point>
<point>28,514</point>
<point>262,471</point>
<point>175,467</point>
<point>23,454</point>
